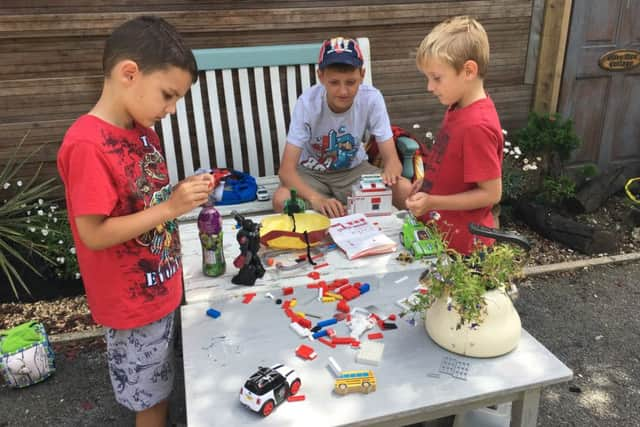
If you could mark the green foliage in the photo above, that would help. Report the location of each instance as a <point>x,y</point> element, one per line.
<point>548,135</point>
<point>555,191</point>
<point>465,280</point>
<point>534,164</point>
<point>28,223</point>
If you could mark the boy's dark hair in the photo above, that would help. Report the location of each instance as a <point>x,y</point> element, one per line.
<point>152,43</point>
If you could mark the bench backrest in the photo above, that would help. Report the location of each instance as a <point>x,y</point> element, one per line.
<point>236,114</point>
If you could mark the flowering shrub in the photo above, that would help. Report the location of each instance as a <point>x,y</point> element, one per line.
<point>31,227</point>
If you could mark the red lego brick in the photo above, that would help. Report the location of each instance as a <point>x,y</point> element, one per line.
<point>343,306</point>
<point>314,275</point>
<point>375,336</point>
<point>306,352</point>
<point>287,291</point>
<point>327,342</point>
<point>326,264</point>
<point>350,293</point>
<point>295,398</point>
<point>248,297</point>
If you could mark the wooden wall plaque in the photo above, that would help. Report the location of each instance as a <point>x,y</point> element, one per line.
<point>620,60</point>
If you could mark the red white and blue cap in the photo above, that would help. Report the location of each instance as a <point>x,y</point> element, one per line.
<point>339,50</point>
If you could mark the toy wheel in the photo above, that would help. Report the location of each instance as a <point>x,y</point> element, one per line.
<point>267,408</point>
<point>365,387</point>
<point>295,387</point>
<point>343,388</point>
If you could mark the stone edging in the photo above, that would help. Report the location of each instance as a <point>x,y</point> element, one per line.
<point>528,271</point>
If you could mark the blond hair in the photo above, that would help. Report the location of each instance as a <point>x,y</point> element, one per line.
<point>454,42</point>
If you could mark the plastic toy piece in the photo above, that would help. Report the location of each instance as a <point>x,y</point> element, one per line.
<point>402,279</point>
<point>269,387</point>
<point>327,342</point>
<point>370,353</point>
<point>333,365</point>
<point>294,204</point>
<point>314,275</point>
<point>343,306</point>
<point>248,261</point>
<point>297,398</point>
<point>213,313</point>
<point>316,267</point>
<point>417,238</point>
<point>248,297</point>
<point>262,194</point>
<point>301,331</point>
<point>455,368</point>
<point>327,322</point>
<point>363,381</point>
<point>306,352</point>
<point>375,336</point>
<point>287,291</point>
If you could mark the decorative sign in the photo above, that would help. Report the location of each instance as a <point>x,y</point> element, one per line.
<point>620,60</point>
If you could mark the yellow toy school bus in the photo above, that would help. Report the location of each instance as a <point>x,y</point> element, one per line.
<point>360,380</point>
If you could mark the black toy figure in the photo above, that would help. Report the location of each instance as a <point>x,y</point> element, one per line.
<point>248,261</point>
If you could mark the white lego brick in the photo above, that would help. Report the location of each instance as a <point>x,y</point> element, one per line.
<point>333,365</point>
<point>370,353</point>
<point>302,331</point>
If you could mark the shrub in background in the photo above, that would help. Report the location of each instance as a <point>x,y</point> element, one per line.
<point>31,227</point>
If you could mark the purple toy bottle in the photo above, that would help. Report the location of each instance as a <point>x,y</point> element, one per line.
<point>210,231</point>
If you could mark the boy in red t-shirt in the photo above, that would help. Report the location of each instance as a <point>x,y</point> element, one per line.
<point>122,209</point>
<point>463,169</point>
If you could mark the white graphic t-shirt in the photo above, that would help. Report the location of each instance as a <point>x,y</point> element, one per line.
<point>332,141</point>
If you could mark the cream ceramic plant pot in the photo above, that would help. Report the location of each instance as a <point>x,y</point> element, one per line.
<point>499,332</point>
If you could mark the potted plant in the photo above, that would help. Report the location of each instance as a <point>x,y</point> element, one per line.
<point>466,300</point>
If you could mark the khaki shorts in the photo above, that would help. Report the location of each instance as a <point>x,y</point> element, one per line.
<point>338,183</point>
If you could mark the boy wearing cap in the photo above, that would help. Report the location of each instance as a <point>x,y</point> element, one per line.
<point>331,121</point>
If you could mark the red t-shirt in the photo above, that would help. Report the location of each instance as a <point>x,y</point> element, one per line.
<point>467,150</point>
<point>112,171</point>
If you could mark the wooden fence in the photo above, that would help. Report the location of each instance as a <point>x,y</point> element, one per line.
<point>50,55</point>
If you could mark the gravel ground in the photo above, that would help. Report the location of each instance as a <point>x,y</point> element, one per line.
<point>587,318</point>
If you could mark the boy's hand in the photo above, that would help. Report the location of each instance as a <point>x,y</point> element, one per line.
<point>418,204</point>
<point>190,193</point>
<point>416,186</point>
<point>329,207</point>
<point>391,172</point>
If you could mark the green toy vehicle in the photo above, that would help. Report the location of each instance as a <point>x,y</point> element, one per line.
<point>418,239</point>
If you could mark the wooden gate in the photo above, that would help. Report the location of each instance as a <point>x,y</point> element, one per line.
<point>600,85</point>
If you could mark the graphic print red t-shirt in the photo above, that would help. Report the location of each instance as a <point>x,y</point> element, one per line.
<point>112,171</point>
<point>467,150</point>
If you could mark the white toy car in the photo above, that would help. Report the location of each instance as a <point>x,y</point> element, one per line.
<point>262,194</point>
<point>268,387</point>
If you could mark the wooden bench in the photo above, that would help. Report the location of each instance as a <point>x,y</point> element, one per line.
<point>237,114</point>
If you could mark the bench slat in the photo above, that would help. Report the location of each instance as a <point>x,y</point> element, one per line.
<point>169,149</point>
<point>305,78</point>
<point>214,111</point>
<point>201,131</point>
<point>263,117</point>
<point>292,94</point>
<point>276,94</point>
<point>247,115</point>
<point>185,140</point>
<point>232,118</point>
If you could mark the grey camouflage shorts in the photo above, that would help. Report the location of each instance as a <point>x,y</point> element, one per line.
<point>141,363</point>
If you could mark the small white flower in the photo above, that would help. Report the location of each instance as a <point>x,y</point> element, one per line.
<point>517,150</point>
<point>40,202</point>
<point>512,152</point>
<point>50,215</point>
<point>72,250</point>
<point>505,150</point>
<point>416,126</point>
<point>534,167</point>
<point>6,185</point>
<point>516,157</point>
<point>61,260</point>
<point>19,183</point>
<point>40,212</point>
<point>28,221</point>
<point>539,159</point>
<point>525,160</point>
<point>77,275</point>
<point>55,219</point>
<point>507,144</point>
<point>44,231</point>
<point>60,242</point>
<point>429,135</point>
<point>28,212</point>
<point>504,131</point>
<point>32,229</point>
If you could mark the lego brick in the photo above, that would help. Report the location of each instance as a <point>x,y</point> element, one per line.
<point>370,353</point>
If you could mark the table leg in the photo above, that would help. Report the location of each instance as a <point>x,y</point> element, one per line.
<point>524,412</point>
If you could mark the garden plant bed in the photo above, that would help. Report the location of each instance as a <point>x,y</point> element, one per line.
<point>71,314</point>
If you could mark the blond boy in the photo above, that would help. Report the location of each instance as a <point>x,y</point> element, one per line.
<point>464,167</point>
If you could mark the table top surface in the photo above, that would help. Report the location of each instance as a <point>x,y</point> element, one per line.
<point>220,354</point>
<point>200,288</point>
